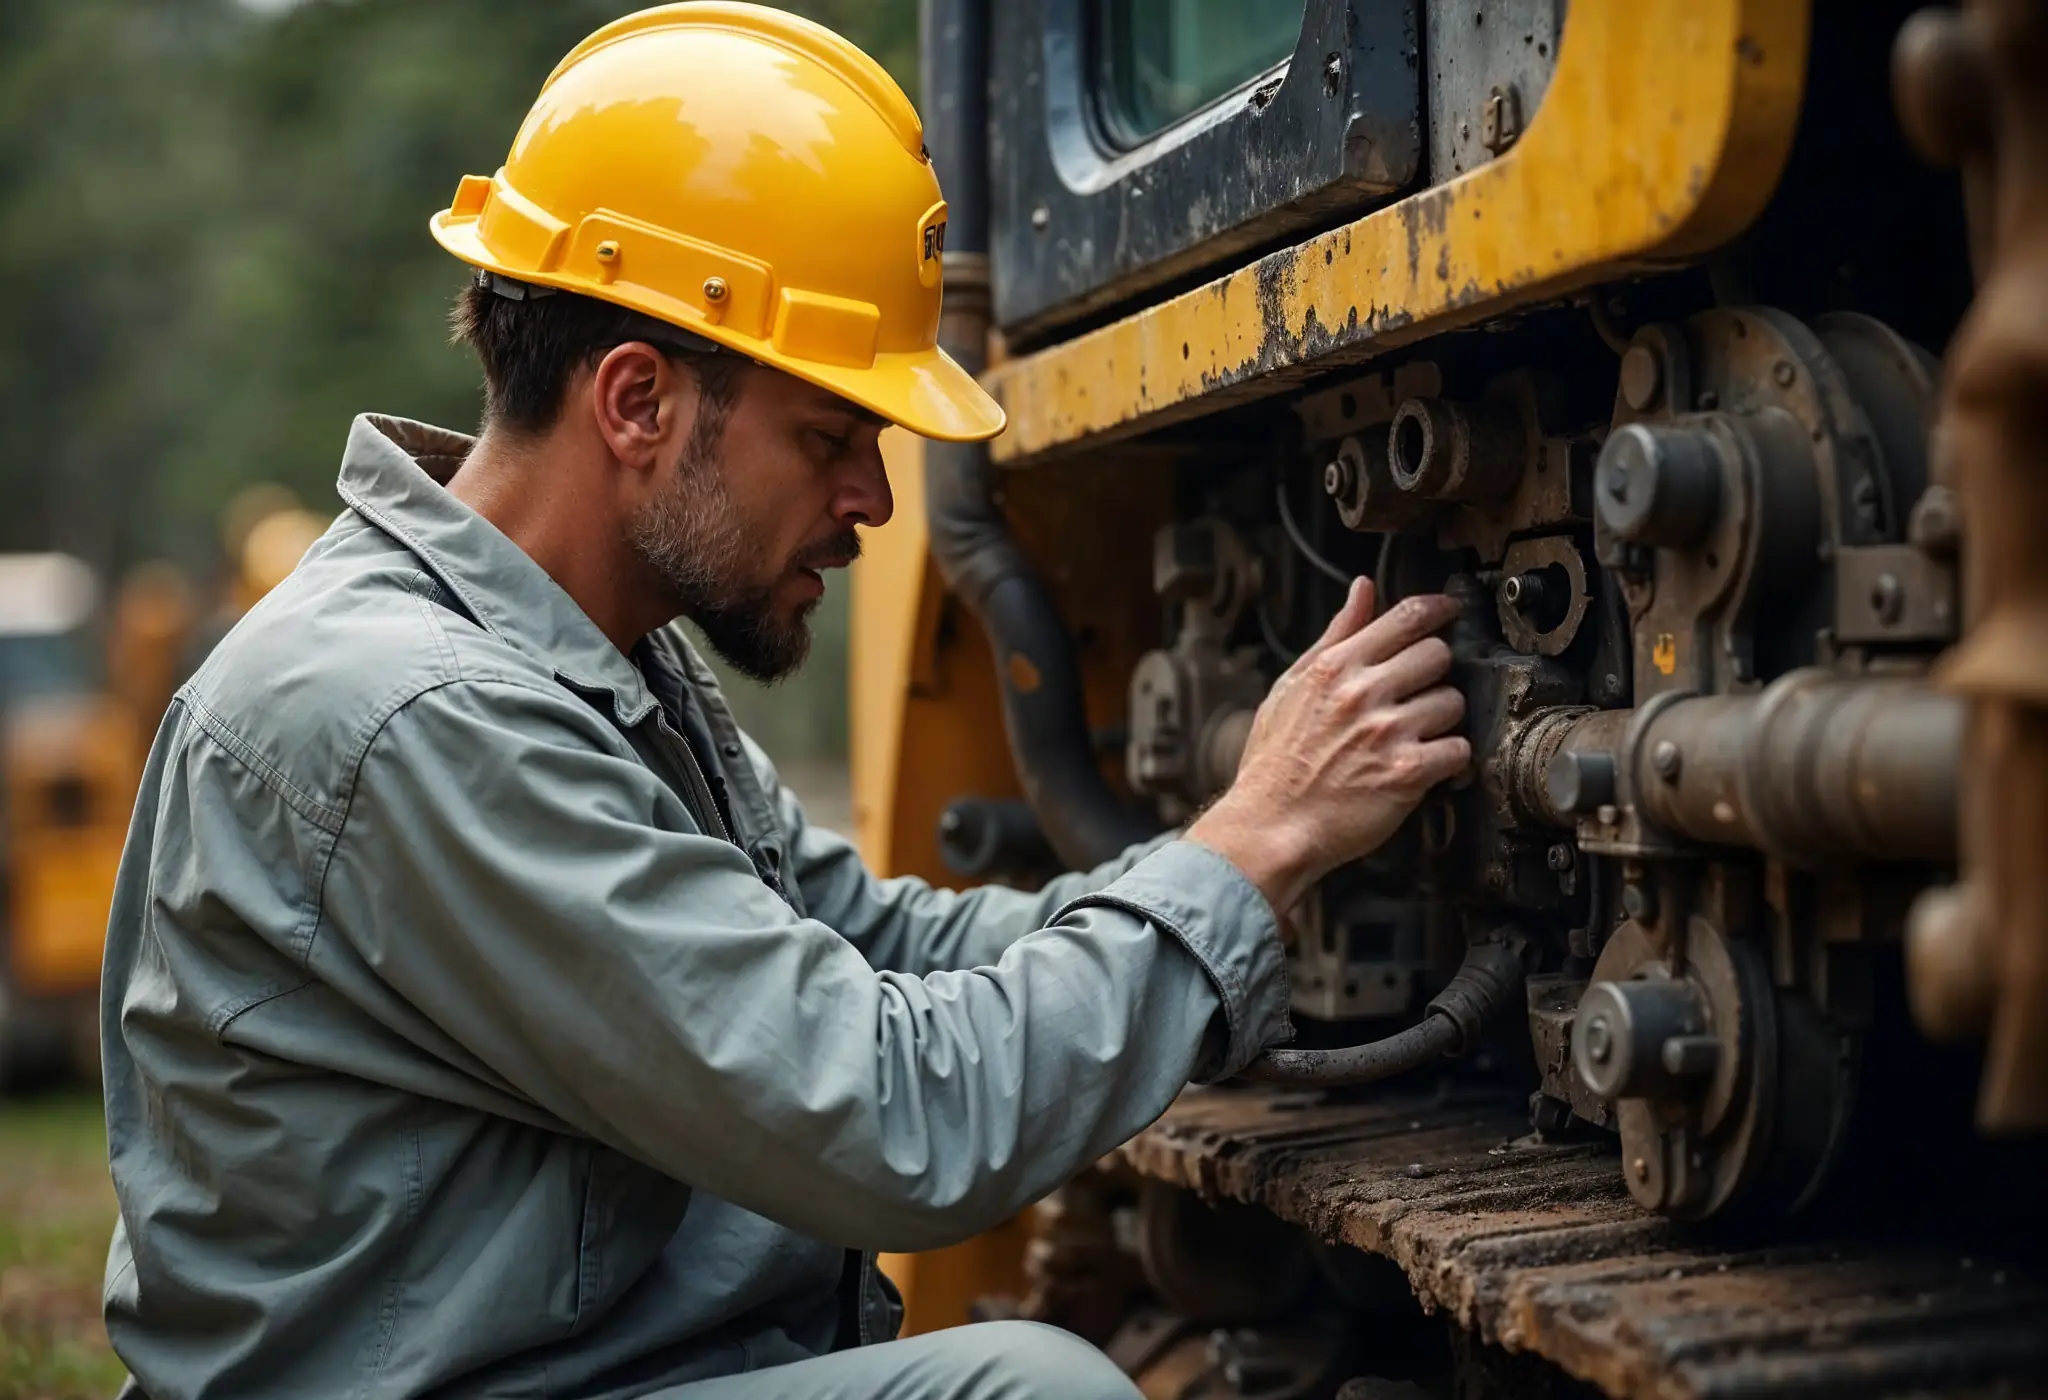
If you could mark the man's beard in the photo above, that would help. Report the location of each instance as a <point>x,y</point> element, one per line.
<point>692,537</point>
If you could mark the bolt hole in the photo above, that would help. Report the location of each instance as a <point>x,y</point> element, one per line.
<point>1411,442</point>
<point>1713,560</point>
<point>1347,404</point>
<point>1350,989</point>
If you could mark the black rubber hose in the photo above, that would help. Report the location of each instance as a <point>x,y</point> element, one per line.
<point>1432,1039</point>
<point>1486,983</point>
<point>1043,714</point>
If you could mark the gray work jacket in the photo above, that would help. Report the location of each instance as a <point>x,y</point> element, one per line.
<point>482,1018</point>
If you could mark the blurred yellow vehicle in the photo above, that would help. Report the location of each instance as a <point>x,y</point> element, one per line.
<point>69,755</point>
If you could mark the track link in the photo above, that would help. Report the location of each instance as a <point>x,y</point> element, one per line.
<point>1537,1247</point>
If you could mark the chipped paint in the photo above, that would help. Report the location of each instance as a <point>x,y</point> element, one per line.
<point>1663,133</point>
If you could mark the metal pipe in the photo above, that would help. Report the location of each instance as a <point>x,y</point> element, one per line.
<point>1040,680</point>
<point>1487,983</point>
<point>1813,767</point>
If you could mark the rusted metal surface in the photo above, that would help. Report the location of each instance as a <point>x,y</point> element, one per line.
<point>1971,93</point>
<point>1537,1247</point>
<point>1585,193</point>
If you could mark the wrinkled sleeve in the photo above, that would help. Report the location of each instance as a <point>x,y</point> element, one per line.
<point>546,901</point>
<point>906,925</point>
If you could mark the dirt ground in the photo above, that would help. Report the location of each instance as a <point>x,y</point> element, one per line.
<point>56,1213</point>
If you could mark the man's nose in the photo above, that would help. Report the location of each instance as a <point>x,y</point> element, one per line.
<point>864,497</point>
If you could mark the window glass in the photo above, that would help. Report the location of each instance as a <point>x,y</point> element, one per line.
<point>1162,59</point>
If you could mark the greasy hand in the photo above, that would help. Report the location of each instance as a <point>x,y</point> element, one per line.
<point>1344,747</point>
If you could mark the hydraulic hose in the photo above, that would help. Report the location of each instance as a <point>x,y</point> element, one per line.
<point>1040,679</point>
<point>1486,983</point>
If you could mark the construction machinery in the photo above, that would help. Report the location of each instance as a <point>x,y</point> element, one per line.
<point>69,756</point>
<point>83,684</point>
<point>1696,1042</point>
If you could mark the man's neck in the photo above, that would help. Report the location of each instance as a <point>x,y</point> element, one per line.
<point>554,502</point>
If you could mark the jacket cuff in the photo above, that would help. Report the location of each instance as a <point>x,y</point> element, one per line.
<point>1227,926</point>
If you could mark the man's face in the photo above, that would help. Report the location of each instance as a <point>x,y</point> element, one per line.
<point>761,499</point>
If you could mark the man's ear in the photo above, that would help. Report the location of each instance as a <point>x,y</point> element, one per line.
<point>642,403</point>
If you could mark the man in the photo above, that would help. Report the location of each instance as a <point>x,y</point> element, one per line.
<point>481,1018</point>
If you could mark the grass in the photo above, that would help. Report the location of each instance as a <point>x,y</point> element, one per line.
<point>56,1213</point>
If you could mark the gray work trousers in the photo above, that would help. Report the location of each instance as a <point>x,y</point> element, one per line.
<point>987,1361</point>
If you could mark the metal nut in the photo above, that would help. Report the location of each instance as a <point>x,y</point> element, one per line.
<point>715,289</point>
<point>1339,477</point>
<point>1639,902</point>
<point>1642,378</point>
<point>1666,759</point>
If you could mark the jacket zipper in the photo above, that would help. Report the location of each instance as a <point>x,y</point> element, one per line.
<point>860,1299</point>
<point>699,788</point>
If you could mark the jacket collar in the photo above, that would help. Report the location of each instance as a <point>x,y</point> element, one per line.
<point>393,473</point>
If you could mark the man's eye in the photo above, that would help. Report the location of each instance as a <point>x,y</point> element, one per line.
<point>835,443</point>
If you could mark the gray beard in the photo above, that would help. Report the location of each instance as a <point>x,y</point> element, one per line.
<point>691,537</point>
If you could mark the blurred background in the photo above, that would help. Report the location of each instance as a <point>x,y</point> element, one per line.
<point>213,254</point>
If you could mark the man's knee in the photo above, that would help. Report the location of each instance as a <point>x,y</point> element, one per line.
<point>1030,1361</point>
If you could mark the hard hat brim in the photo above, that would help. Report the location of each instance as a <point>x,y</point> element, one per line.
<point>923,391</point>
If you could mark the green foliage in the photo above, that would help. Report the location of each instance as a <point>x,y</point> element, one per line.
<point>213,251</point>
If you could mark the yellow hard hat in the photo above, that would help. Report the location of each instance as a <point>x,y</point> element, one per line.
<point>751,177</point>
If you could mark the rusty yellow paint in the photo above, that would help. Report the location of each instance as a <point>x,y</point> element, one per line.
<point>1664,130</point>
<point>889,584</point>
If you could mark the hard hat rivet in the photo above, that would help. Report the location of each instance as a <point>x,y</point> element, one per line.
<point>714,289</point>
<point>607,251</point>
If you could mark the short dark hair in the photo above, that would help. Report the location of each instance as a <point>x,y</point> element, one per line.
<point>532,347</point>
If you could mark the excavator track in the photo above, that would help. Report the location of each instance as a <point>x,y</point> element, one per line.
<point>1536,1247</point>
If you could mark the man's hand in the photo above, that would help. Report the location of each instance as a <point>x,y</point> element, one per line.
<point>1344,747</point>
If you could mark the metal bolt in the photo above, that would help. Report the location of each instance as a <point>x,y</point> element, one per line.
<point>1524,592</point>
<point>1784,373</point>
<point>1607,814</point>
<point>1640,1168</point>
<point>1560,857</point>
<point>1665,758</point>
<point>1691,1056</point>
<point>1041,217</point>
<point>1338,479</point>
<point>1417,1170</point>
<point>1579,782</point>
<point>1599,1040</point>
<point>715,289</point>
<point>1888,598</point>
<point>1936,523</point>
<point>1642,378</point>
<point>1639,902</point>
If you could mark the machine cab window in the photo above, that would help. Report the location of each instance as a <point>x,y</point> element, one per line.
<point>1159,61</point>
